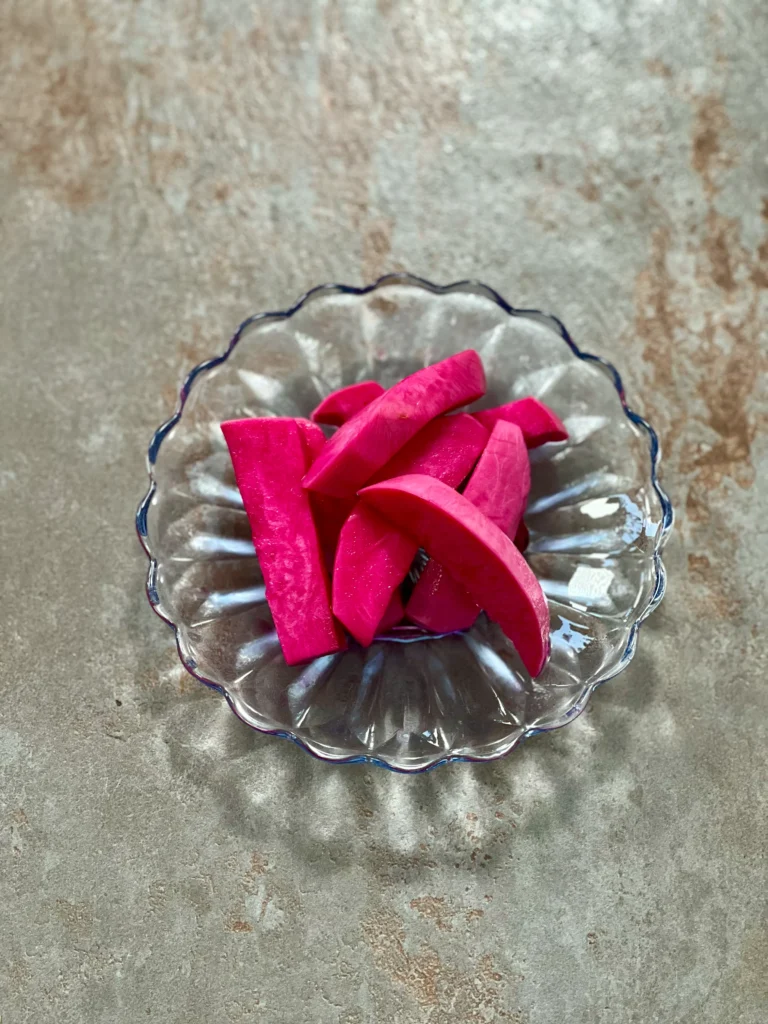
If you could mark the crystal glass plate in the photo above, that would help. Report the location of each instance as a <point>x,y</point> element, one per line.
<point>598,519</point>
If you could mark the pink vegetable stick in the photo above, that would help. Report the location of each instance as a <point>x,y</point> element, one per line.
<point>393,614</point>
<point>329,513</point>
<point>314,439</point>
<point>341,405</point>
<point>270,458</point>
<point>476,553</point>
<point>366,442</point>
<point>536,420</point>
<point>373,557</point>
<point>501,480</point>
<point>499,488</point>
<point>447,449</point>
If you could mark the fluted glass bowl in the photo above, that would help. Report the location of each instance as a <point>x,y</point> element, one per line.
<point>597,518</point>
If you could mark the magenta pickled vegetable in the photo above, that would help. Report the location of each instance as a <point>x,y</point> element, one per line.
<point>373,557</point>
<point>363,501</point>
<point>395,613</point>
<point>329,513</point>
<point>476,553</point>
<point>366,442</point>
<point>447,449</point>
<point>501,480</point>
<point>314,439</point>
<point>270,457</point>
<point>499,488</point>
<point>372,560</point>
<point>341,405</point>
<point>536,420</point>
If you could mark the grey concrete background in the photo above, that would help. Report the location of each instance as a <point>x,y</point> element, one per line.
<point>167,168</point>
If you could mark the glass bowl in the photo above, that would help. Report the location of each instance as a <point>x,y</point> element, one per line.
<point>597,516</point>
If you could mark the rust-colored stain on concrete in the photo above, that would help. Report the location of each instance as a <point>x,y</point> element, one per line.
<point>702,340</point>
<point>240,926</point>
<point>709,153</point>
<point>698,563</point>
<point>434,908</point>
<point>377,246</point>
<point>590,189</point>
<point>418,972</point>
<point>725,390</point>
<point>451,993</point>
<point>382,305</point>
<point>64,112</point>
<point>259,867</point>
<point>719,240</point>
<point>726,344</point>
<point>657,318</point>
<point>76,917</point>
<point>658,68</point>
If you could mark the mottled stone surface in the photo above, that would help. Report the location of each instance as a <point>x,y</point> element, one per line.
<point>168,167</point>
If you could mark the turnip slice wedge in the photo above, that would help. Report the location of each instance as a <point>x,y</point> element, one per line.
<point>394,613</point>
<point>329,513</point>
<point>476,553</point>
<point>314,439</point>
<point>536,420</point>
<point>501,480</point>
<point>499,488</point>
<point>341,405</point>
<point>366,442</point>
<point>447,449</point>
<point>270,457</point>
<point>373,557</point>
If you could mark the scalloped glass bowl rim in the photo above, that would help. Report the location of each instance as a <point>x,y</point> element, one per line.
<point>468,285</point>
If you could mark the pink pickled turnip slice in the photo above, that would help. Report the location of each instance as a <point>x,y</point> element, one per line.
<point>476,553</point>
<point>499,488</point>
<point>329,513</point>
<point>447,449</point>
<point>270,458</point>
<point>394,613</point>
<point>501,480</point>
<point>314,439</point>
<point>536,420</point>
<point>366,442</point>
<point>341,405</point>
<point>373,557</point>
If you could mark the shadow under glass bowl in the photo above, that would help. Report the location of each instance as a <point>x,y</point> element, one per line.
<point>597,516</point>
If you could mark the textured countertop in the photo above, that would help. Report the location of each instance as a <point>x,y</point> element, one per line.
<point>167,168</point>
